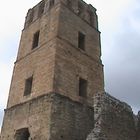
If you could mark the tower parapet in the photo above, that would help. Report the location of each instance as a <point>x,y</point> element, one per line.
<point>85,11</point>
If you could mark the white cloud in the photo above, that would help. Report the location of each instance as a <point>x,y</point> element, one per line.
<point>120,47</point>
<point>12,15</point>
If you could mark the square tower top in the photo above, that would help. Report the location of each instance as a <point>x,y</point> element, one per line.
<point>85,11</point>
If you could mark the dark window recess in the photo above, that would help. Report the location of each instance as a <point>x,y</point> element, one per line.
<point>22,134</point>
<point>69,3</point>
<point>35,40</point>
<point>80,8</point>
<point>91,15</point>
<point>82,87</point>
<point>31,15</point>
<point>81,41</point>
<point>28,86</point>
<point>41,8</point>
<point>51,3</point>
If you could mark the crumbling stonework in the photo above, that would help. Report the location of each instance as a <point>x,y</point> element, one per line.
<point>49,117</point>
<point>114,120</point>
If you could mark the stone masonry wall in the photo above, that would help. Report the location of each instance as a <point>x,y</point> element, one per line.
<point>38,62</point>
<point>70,120</point>
<point>114,120</point>
<point>33,114</point>
<point>71,62</point>
<point>49,117</point>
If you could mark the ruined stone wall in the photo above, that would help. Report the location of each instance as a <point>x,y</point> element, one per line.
<point>114,120</point>
<point>49,117</point>
<point>33,114</point>
<point>70,120</point>
<point>56,117</point>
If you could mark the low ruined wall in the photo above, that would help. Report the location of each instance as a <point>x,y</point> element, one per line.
<point>33,114</point>
<point>49,117</point>
<point>70,120</point>
<point>114,120</point>
<point>56,117</point>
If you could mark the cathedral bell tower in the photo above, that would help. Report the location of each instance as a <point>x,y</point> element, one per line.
<point>57,72</point>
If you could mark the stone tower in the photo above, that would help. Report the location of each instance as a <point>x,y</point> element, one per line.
<point>57,72</point>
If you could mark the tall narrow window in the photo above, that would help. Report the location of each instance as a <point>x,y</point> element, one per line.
<point>35,40</point>
<point>51,3</point>
<point>31,15</point>
<point>81,41</point>
<point>82,87</point>
<point>41,8</point>
<point>69,3</point>
<point>91,15</point>
<point>28,86</point>
<point>80,8</point>
<point>22,134</point>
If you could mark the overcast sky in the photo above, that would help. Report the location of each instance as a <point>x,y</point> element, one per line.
<point>119,23</point>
